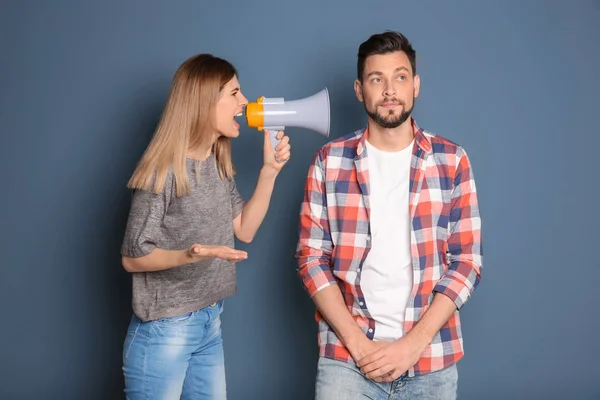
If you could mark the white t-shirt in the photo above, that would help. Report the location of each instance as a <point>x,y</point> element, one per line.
<point>387,275</point>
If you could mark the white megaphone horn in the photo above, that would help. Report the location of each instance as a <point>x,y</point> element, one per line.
<point>275,114</point>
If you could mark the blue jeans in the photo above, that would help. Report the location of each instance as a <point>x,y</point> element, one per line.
<point>339,380</point>
<point>177,357</point>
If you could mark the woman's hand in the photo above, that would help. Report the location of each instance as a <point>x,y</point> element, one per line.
<point>200,252</point>
<point>274,162</point>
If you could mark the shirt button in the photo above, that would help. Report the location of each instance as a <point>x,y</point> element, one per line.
<point>361,303</point>
<point>370,330</point>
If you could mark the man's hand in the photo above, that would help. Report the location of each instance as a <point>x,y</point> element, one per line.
<point>391,359</point>
<point>362,347</point>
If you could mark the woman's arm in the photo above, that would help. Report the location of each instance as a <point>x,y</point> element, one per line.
<point>253,213</point>
<point>160,259</point>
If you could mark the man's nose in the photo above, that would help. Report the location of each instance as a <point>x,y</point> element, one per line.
<point>389,90</point>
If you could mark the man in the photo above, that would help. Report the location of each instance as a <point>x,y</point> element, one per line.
<point>390,242</point>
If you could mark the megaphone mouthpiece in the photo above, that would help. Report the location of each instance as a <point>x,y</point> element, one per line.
<point>275,114</point>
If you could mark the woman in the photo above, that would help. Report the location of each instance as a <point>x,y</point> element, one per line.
<point>179,238</point>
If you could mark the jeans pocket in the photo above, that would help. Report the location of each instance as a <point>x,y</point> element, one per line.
<point>132,330</point>
<point>175,319</point>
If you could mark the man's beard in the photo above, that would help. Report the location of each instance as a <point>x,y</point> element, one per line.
<point>391,120</point>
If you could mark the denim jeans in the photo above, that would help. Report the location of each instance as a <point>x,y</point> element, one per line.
<point>337,380</point>
<point>177,357</point>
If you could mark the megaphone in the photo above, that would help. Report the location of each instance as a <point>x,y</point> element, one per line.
<point>275,114</point>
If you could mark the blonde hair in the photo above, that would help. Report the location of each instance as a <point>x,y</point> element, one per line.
<point>186,122</point>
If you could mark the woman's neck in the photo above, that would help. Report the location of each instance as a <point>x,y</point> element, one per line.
<point>201,152</point>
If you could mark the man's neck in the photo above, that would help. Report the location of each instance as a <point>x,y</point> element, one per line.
<point>390,139</point>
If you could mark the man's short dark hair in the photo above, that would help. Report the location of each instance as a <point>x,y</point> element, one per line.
<point>385,43</point>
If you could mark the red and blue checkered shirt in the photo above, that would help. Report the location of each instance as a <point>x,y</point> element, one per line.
<point>335,237</point>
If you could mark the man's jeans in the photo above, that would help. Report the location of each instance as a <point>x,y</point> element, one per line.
<point>337,380</point>
<point>177,357</point>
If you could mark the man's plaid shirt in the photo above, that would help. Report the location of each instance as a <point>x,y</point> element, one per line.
<point>335,237</point>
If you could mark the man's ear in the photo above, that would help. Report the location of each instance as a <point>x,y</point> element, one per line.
<point>358,90</point>
<point>417,85</point>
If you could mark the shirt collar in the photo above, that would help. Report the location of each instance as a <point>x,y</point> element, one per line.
<point>420,139</point>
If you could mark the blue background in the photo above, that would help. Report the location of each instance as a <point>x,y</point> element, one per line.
<point>82,85</point>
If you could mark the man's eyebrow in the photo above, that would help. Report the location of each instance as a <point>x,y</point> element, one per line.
<point>380,73</point>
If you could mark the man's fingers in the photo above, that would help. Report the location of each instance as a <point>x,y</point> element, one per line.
<point>374,368</point>
<point>371,370</point>
<point>370,357</point>
<point>389,376</point>
<point>380,373</point>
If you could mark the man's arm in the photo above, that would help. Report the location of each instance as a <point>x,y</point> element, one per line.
<point>314,257</point>
<point>331,305</point>
<point>451,292</point>
<point>464,241</point>
<point>314,244</point>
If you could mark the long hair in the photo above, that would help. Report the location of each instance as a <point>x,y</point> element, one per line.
<point>186,122</point>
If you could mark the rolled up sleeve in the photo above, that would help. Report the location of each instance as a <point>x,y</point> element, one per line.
<point>464,251</point>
